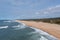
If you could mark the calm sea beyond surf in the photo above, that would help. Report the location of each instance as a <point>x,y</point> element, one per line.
<point>12,30</point>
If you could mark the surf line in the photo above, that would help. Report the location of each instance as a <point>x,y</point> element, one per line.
<point>3,27</point>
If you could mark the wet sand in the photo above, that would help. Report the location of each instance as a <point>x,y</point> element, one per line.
<point>52,29</point>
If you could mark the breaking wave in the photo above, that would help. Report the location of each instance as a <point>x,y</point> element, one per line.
<point>3,27</point>
<point>44,35</point>
<point>13,30</point>
<point>12,25</point>
<point>18,27</point>
<point>7,21</point>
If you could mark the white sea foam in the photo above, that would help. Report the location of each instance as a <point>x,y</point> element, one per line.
<point>21,26</point>
<point>43,38</point>
<point>42,33</point>
<point>3,27</point>
<point>18,26</point>
<point>7,21</point>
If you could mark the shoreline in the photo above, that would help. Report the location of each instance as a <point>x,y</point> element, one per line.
<point>52,29</point>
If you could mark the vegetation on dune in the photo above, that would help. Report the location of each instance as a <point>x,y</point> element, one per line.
<point>49,20</point>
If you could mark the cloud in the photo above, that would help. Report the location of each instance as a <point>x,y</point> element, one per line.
<point>46,12</point>
<point>58,6</point>
<point>37,13</point>
<point>50,10</point>
<point>54,9</point>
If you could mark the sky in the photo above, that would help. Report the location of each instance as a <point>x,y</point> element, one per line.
<point>27,9</point>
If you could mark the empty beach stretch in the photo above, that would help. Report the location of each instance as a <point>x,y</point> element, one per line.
<point>52,29</point>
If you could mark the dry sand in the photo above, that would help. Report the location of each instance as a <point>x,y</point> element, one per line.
<point>53,29</point>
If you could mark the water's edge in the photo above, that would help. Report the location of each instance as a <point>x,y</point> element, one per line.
<point>45,34</point>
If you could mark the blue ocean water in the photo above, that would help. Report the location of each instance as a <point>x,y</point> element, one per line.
<point>12,30</point>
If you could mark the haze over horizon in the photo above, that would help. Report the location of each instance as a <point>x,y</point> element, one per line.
<point>27,9</point>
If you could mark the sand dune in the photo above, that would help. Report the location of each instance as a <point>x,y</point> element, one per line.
<point>53,29</point>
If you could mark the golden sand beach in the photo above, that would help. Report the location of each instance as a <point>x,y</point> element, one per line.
<point>52,29</point>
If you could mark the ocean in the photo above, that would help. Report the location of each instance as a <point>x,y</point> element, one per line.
<point>12,30</point>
